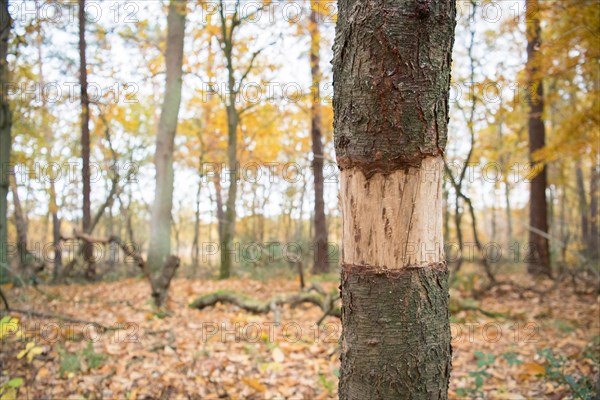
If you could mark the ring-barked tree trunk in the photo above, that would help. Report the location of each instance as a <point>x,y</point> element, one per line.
<point>159,249</point>
<point>391,81</point>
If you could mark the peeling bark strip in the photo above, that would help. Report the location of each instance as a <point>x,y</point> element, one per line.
<point>397,347</point>
<point>393,220</point>
<point>391,74</point>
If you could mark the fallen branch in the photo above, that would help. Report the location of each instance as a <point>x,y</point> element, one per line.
<point>262,307</point>
<point>62,318</point>
<point>465,305</point>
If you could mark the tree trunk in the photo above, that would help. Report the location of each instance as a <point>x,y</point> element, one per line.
<point>228,231</point>
<point>5,139</point>
<point>21,225</point>
<point>539,262</point>
<point>321,259</point>
<point>195,241</point>
<point>392,77</point>
<point>86,220</point>
<point>509,228</point>
<point>593,240</point>
<point>55,235</point>
<point>219,204</point>
<point>159,249</point>
<point>52,206</point>
<point>446,195</point>
<point>583,208</point>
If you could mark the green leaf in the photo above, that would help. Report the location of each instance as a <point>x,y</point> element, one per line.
<point>15,382</point>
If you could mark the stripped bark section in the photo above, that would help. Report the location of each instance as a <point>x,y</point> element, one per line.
<point>393,220</point>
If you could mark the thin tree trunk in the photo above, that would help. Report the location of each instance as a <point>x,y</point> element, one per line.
<point>459,235</point>
<point>219,204</point>
<point>86,220</point>
<point>509,232</point>
<point>55,234</point>
<point>539,263</point>
<point>228,229</point>
<point>583,208</point>
<point>593,240</point>
<point>321,259</point>
<point>21,225</point>
<point>493,217</point>
<point>52,206</point>
<point>392,77</point>
<point>446,194</point>
<point>159,249</point>
<point>5,139</point>
<point>195,241</point>
<point>564,233</point>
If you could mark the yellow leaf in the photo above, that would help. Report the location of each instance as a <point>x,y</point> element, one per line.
<point>42,373</point>
<point>133,394</point>
<point>8,394</point>
<point>254,384</point>
<point>31,350</point>
<point>34,352</point>
<point>533,368</point>
<point>9,326</point>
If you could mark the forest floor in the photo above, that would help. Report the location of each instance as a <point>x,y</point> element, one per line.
<point>506,345</point>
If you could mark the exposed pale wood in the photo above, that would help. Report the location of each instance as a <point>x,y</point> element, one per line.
<point>394,220</point>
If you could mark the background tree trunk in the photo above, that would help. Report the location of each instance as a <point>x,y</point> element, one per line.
<point>196,239</point>
<point>233,117</point>
<point>392,76</point>
<point>583,208</point>
<point>593,239</point>
<point>55,234</point>
<point>21,225</point>
<point>539,263</point>
<point>5,139</point>
<point>86,220</point>
<point>52,205</point>
<point>159,249</point>
<point>321,259</point>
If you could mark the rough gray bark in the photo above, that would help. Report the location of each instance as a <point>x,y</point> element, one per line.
<point>5,139</point>
<point>160,260</point>
<point>393,53</point>
<point>321,259</point>
<point>392,76</point>
<point>395,342</point>
<point>539,263</point>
